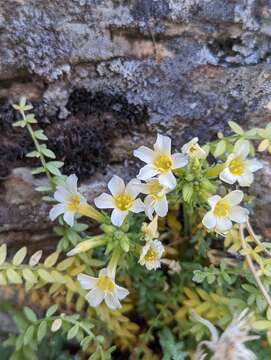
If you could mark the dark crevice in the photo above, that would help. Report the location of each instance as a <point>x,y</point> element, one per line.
<point>83,140</point>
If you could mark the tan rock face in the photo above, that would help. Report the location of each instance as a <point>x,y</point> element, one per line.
<point>104,77</point>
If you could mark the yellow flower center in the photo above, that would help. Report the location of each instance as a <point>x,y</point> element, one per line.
<point>193,150</point>
<point>154,187</point>
<point>237,166</point>
<point>73,203</point>
<point>105,283</point>
<point>222,208</point>
<point>163,163</point>
<point>151,255</point>
<point>123,201</point>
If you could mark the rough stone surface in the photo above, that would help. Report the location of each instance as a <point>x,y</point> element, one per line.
<point>106,75</point>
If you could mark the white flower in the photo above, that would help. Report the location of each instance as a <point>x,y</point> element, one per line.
<point>151,254</point>
<point>151,230</point>
<point>160,162</point>
<point>122,201</point>
<point>238,167</point>
<point>193,150</point>
<point>224,211</point>
<point>230,345</point>
<point>156,200</point>
<point>102,288</point>
<point>69,200</point>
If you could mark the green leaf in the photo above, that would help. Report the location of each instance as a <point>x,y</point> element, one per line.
<point>42,330</point>
<point>73,332</point>
<point>30,119</point>
<point>29,313</point>
<point>262,325</point>
<point>65,264</point>
<point>236,128</point>
<point>51,259</point>
<point>20,123</point>
<point>53,169</point>
<point>187,192</point>
<point>38,170</point>
<point>43,189</point>
<point>220,148</point>
<point>47,152</point>
<point>39,134</point>
<point>29,276</point>
<point>33,154</point>
<point>3,253</point>
<point>45,275</point>
<point>14,277</point>
<point>19,256</point>
<point>28,336</point>
<point>52,310</point>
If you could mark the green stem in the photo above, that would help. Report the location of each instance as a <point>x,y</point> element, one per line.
<point>188,219</point>
<point>113,263</point>
<point>37,145</point>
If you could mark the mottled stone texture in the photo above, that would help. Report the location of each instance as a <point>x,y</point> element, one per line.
<point>106,75</point>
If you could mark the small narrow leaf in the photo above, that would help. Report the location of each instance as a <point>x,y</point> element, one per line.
<point>29,313</point>
<point>28,336</point>
<point>42,330</point>
<point>33,154</point>
<point>73,332</point>
<point>236,128</point>
<point>14,277</point>
<point>52,310</point>
<point>3,253</point>
<point>35,258</point>
<point>48,153</point>
<point>56,325</point>
<point>51,260</point>
<point>29,276</point>
<point>19,256</point>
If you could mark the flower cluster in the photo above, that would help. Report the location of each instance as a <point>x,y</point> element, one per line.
<point>155,180</point>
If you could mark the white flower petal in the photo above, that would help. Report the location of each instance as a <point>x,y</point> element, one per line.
<point>56,211</point>
<point>147,172</point>
<point>254,165</point>
<point>227,176</point>
<point>168,180</point>
<point>213,200</point>
<point>234,197</point>
<point>133,188</point>
<point>161,207</point>
<point>95,297</point>
<point>223,224</point>
<point>86,282</point>
<point>112,301</point>
<point>104,201</point>
<point>116,185</point>
<point>238,214</point>
<point>62,195</point>
<point>121,292</point>
<point>209,220</point>
<point>71,183</point>
<point>69,217</point>
<point>163,144</point>
<point>241,148</point>
<point>153,265</point>
<point>145,154</point>
<point>179,160</point>
<point>246,179</point>
<point>186,146</point>
<point>149,206</point>
<point>118,216</point>
<point>137,206</point>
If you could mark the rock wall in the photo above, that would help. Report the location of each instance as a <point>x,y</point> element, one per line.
<point>106,75</point>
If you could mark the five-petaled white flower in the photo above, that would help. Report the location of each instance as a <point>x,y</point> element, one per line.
<point>122,201</point>
<point>193,149</point>
<point>70,200</point>
<point>238,167</point>
<point>160,162</point>
<point>102,288</point>
<point>151,254</point>
<point>224,211</point>
<point>156,200</point>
